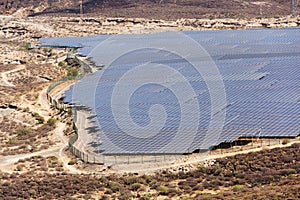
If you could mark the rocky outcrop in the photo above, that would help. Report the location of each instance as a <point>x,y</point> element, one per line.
<point>288,21</point>
<point>48,26</point>
<point>167,9</point>
<point>28,7</point>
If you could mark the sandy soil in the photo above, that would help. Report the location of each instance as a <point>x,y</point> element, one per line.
<point>23,86</point>
<point>158,9</point>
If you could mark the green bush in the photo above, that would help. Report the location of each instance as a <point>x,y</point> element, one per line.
<point>163,190</point>
<point>237,188</point>
<point>26,46</point>
<point>52,121</point>
<point>25,109</point>
<point>72,162</point>
<point>48,51</point>
<point>135,186</point>
<point>72,71</point>
<point>69,111</point>
<point>24,131</point>
<point>285,141</point>
<point>115,186</point>
<point>103,179</point>
<point>35,114</point>
<point>62,64</point>
<point>13,141</point>
<point>19,168</point>
<point>126,196</point>
<point>40,119</point>
<point>202,169</point>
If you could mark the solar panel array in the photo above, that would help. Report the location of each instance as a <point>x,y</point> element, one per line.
<point>261,75</point>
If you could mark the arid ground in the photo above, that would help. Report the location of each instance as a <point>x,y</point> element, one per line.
<point>34,157</point>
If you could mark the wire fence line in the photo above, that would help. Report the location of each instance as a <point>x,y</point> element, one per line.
<point>63,80</point>
<point>57,104</point>
<point>98,158</point>
<point>87,68</point>
<point>164,159</point>
<point>158,158</point>
<point>60,105</point>
<point>161,159</point>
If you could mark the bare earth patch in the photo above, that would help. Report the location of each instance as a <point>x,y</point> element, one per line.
<point>34,159</point>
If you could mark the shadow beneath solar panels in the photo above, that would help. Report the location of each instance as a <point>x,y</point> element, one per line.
<point>80,107</point>
<point>197,151</point>
<point>94,144</point>
<point>223,145</point>
<point>259,55</point>
<point>98,151</point>
<point>227,145</point>
<point>93,129</point>
<point>91,117</point>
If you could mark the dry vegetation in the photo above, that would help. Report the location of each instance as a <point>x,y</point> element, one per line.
<point>22,139</point>
<point>24,129</point>
<point>260,175</point>
<point>158,9</point>
<point>39,164</point>
<point>189,8</point>
<point>28,82</point>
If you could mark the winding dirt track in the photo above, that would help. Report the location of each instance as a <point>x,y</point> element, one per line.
<point>4,76</point>
<point>58,149</point>
<point>7,162</point>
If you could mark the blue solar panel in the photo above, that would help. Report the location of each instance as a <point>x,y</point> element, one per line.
<point>260,76</point>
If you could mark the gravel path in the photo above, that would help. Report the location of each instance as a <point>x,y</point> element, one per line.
<point>4,80</point>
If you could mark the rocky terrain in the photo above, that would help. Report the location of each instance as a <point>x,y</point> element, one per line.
<point>26,71</point>
<point>261,175</point>
<point>157,9</point>
<point>34,160</point>
<point>30,29</point>
<point>27,122</point>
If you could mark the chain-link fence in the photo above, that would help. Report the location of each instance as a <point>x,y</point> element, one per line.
<point>98,158</point>
<point>235,146</point>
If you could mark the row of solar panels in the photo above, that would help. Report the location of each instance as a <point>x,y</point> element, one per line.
<point>260,74</point>
<point>215,42</point>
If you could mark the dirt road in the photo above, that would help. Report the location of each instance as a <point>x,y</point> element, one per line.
<point>4,75</point>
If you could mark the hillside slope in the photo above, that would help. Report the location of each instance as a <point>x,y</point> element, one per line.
<point>160,9</point>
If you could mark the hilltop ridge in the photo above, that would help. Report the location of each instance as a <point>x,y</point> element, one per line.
<point>158,9</point>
